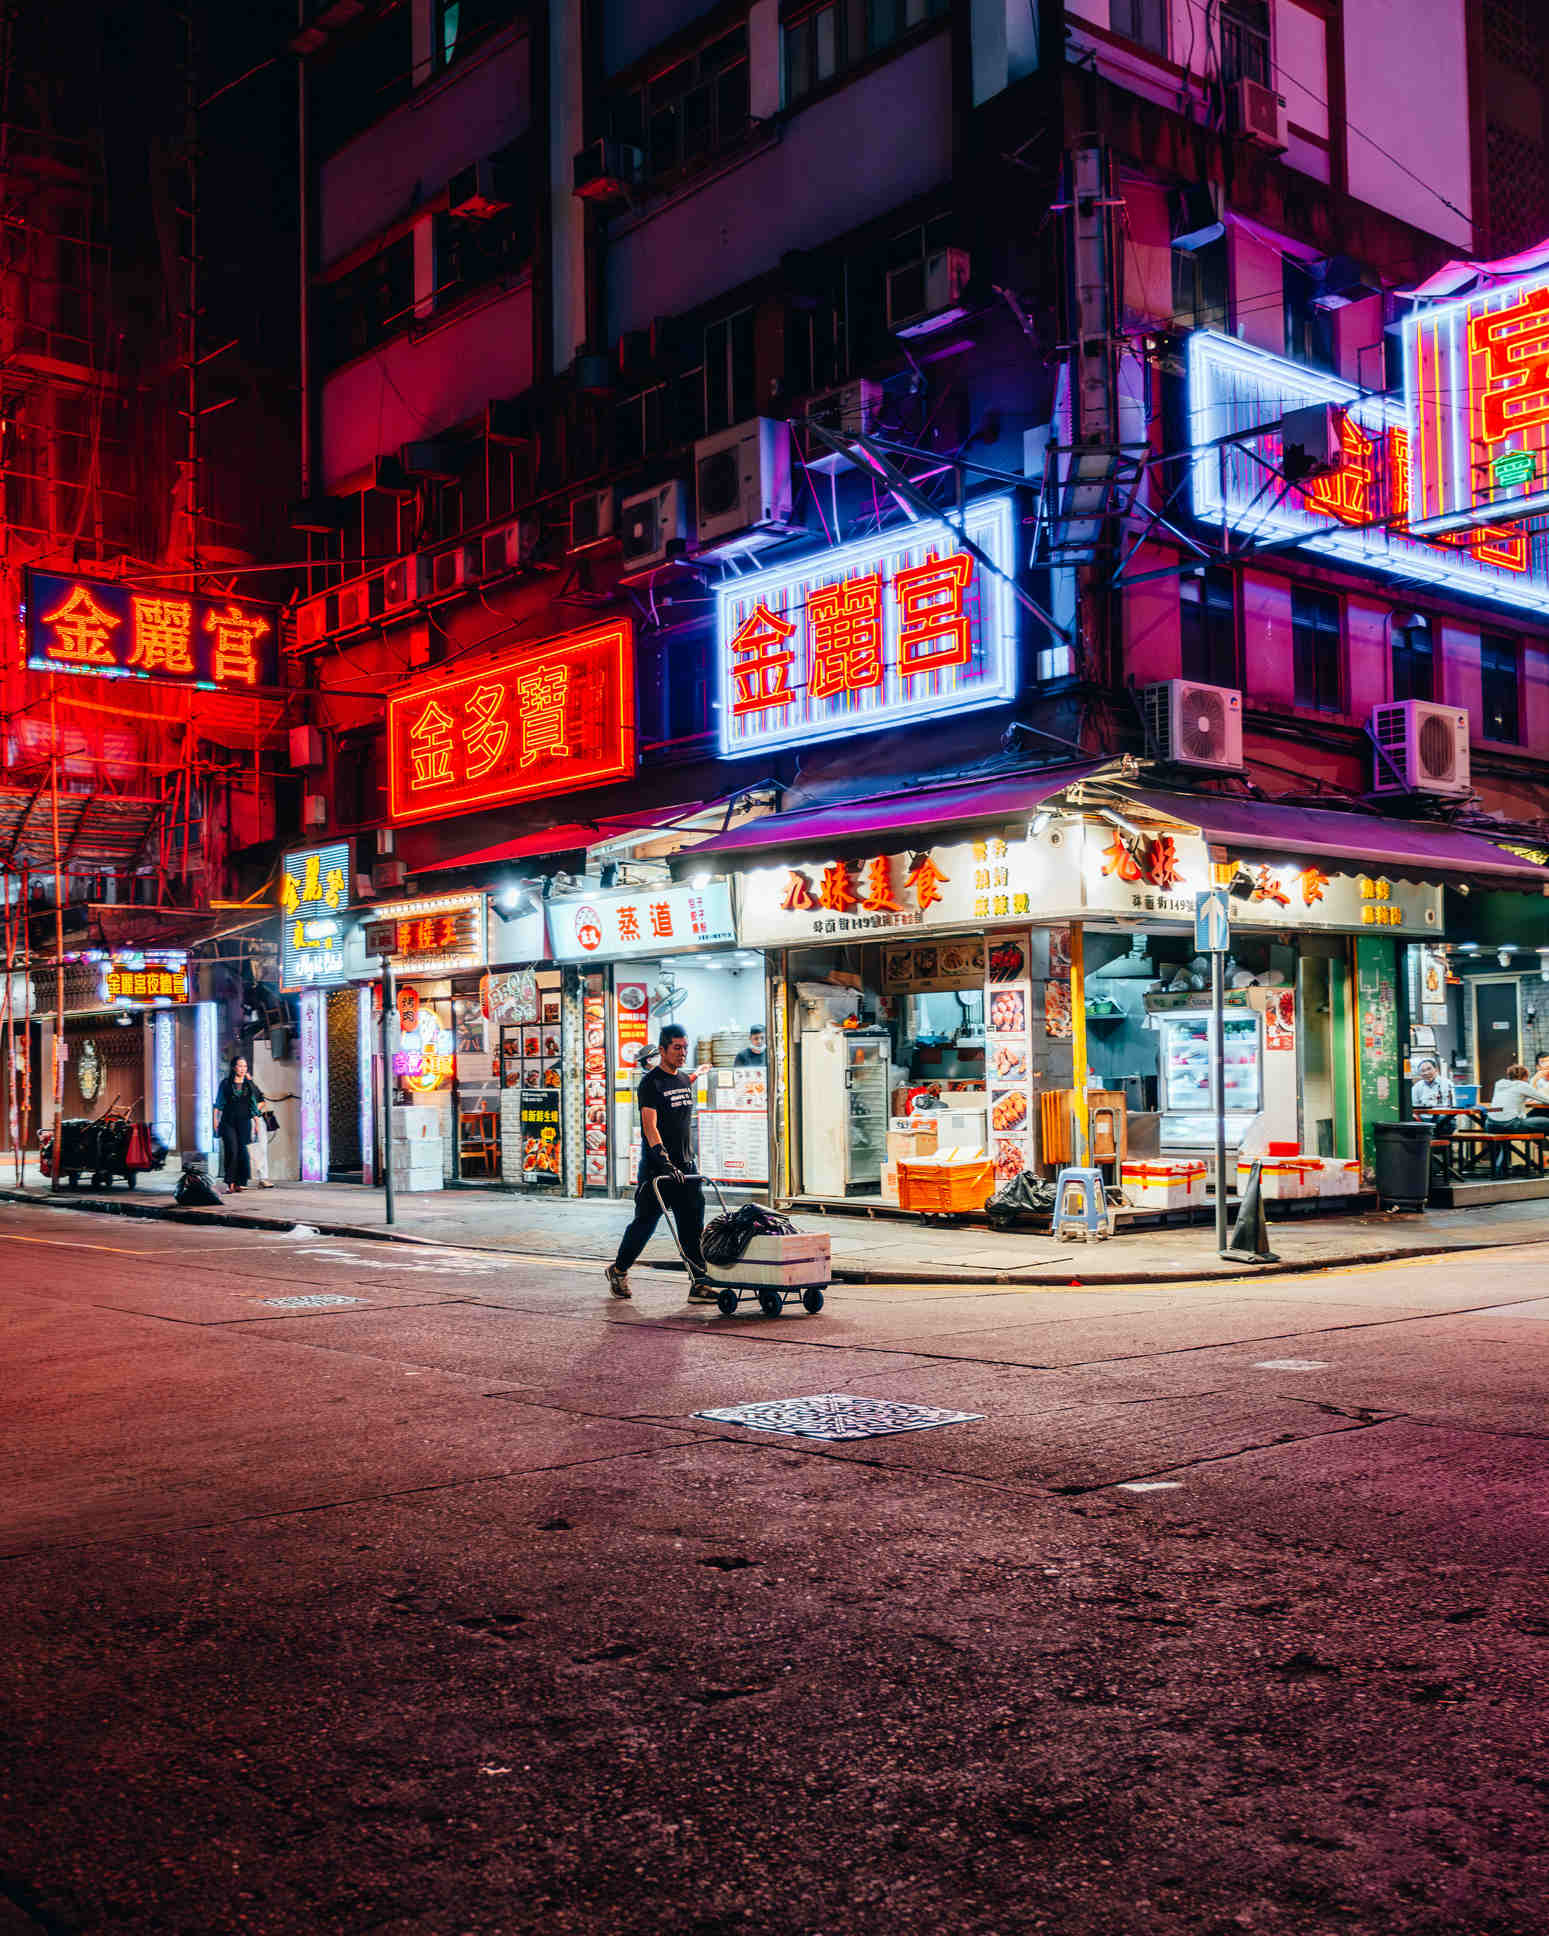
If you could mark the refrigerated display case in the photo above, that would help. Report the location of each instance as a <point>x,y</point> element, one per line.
<point>1187,1049</point>
<point>845,1076</point>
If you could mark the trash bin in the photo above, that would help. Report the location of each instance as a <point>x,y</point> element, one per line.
<point>1402,1159</point>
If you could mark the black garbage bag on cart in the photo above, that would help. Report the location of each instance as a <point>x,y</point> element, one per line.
<point>1021,1196</point>
<point>726,1237</point>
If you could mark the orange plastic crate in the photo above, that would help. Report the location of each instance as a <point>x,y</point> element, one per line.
<point>945,1188</point>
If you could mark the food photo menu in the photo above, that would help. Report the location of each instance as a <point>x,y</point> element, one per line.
<point>1008,1053</point>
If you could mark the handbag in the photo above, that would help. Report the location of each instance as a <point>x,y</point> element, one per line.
<point>271,1122</point>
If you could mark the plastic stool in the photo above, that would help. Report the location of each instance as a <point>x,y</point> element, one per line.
<point>1094,1220</point>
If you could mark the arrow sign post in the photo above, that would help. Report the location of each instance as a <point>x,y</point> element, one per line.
<point>1213,937</point>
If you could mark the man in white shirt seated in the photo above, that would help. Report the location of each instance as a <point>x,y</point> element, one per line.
<point>1432,1089</point>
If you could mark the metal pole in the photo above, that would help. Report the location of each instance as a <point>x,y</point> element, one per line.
<point>389,1001</point>
<point>1080,1106</point>
<point>59,940</point>
<point>1218,1084</point>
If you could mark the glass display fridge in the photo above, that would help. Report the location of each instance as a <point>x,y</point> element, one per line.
<point>1187,1046</point>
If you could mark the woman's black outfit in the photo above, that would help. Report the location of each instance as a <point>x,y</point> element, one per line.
<point>238,1103</point>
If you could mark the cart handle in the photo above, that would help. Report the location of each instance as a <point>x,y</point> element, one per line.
<point>689,1176</point>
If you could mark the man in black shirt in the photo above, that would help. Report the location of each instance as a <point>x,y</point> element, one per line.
<point>752,1057</point>
<point>666,1122</point>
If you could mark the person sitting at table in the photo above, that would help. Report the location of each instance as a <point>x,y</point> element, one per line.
<point>1515,1108</point>
<point>1432,1089</point>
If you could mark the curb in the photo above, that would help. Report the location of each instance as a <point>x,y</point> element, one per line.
<point>1068,1274</point>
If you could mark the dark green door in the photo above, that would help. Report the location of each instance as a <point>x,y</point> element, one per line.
<point>1496,1041</point>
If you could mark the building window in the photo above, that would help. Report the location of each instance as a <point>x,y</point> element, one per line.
<point>460,25</point>
<point>818,41</point>
<point>729,371</point>
<point>1315,649</point>
<point>1499,680</point>
<point>369,304</point>
<point>471,251</point>
<point>1245,42</point>
<point>1200,286</point>
<point>1309,331</point>
<point>1144,21</point>
<point>694,108</point>
<point>1208,612</point>
<point>1414,664</point>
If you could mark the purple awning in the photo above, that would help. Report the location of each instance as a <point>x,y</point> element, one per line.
<point>878,819</point>
<point>1424,849</point>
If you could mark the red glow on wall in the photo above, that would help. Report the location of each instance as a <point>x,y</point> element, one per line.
<point>540,720</point>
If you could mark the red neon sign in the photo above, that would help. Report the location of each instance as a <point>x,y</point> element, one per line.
<point>540,720</point>
<point>106,629</point>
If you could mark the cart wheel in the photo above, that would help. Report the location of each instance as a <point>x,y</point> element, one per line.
<point>771,1303</point>
<point>726,1303</point>
<point>812,1300</point>
<point>75,1179</point>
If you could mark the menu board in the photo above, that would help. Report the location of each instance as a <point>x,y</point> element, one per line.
<point>1056,991</point>
<point>594,1067</point>
<point>513,997</point>
<point>542,1134</point>
<point>530,1055</point>
<point>734,1127</point>
<point>1008,1053</point>
<point>1433,988</point>
<point>634,1023</point>
<point>1376,1007</point>
<point>922,967</point>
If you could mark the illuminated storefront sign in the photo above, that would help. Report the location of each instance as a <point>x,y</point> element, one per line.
<point>646,921</point>
<point>538,721</point>
<point>899,628</point>
<point>1476,373</point>
<point>87,625</point>
<point>144,978</point>
<point>440,936</point>
<point>1157,876</point>
<point>314,904</point>
<point>1356,514</point>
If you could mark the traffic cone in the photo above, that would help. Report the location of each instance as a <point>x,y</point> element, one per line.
<point>1249,1243</point>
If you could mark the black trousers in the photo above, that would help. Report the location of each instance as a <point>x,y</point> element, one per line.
<point>236,1163</point>
<point>686,1201</point>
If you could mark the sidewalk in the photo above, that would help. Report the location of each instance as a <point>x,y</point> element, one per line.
<point>866,1249</point>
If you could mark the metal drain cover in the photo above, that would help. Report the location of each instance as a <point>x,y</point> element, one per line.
<point>310,1301</point>
<point>837,1415</point>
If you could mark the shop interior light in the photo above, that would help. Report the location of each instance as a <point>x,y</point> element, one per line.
<point>1503,956</point>
<point>1040,822</point>
<point>1468,947</point>
<point>699,880</point>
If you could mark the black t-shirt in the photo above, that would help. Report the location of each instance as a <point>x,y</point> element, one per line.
<point>749,1058</point>
<point>672,1097</point>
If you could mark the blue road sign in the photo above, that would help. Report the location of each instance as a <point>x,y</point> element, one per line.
<point>1212,922</point>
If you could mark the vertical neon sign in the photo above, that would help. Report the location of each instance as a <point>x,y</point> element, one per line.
<point>314,1089</point>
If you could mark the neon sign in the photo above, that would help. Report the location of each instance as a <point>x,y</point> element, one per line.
<point>1359,513</point>
<point>109,631</point>
<point>540,720</point>
<point>1476,374</point>
<point>314,899</point>
<point>438,935</point>
<point>891,630</point>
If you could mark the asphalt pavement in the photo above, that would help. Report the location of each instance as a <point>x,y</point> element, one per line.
<point>355,1587</point>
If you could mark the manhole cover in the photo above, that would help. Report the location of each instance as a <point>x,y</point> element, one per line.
<point>310,1301</point>
<point>836,1415</point>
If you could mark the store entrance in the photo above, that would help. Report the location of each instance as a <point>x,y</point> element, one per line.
<point>343,1052</point>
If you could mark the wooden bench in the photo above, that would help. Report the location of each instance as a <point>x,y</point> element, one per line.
<point>1473,1145</point>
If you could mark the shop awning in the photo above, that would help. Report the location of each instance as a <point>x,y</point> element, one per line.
<point>99,833</point>
<point>878,820</point>
<point>1423,850</point>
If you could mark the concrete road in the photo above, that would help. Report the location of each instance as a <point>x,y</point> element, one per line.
<point>439,1610</point>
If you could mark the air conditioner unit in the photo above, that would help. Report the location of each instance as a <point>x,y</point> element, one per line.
<point>472,193</point>
<point>591,520</point>
<point>742,486</point>
<point>389,873</point>
<point>1258,114</point>
<point>605,171</point>
<point>306,748</point>
<point>1193,725</point>
<point>1421,748</point>
<point>508,547</point>
<point>851,410</point>
<point>312,621</point>
<point>1312,441</point>
<point>654,525</point>
<point>354,606</point>
<point>924,296</point>
<point>449,569</point>
<point>314,810</point>
<point>400,584</point>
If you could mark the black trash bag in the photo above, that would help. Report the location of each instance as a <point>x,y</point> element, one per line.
<point>1022,1196</point>
<point>195,1192</point>
<point>726,1237</point>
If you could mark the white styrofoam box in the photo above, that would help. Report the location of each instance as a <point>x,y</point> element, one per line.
<point>1335,1176</point>
<point>414,1125</point>
<point>1282,1179</point>
<point>416,1157</point>
<point>948,1157</point>
<point>417,1182</point>
<point>785,1261</point>
<point>1163,1184</point>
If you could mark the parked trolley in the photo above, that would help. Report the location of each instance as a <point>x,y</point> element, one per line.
<point>774,1265</point>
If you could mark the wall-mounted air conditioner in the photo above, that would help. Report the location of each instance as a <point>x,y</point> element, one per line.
<point>1190,724</point>
<point>926,295</point>
<point>1421,748</point>
<point>742,486</point>
<point>447,570</point>
<point>508,546</point>
<point>314,810</point>
<point>312,621</point>
<point>474,193</point>
<point>388,873</point>
<point>591,520</point>
<point>655,525</point>
<point>306,748</point>
<point>851,410</point>
<point>1258,114</point>
<point>605,171</point>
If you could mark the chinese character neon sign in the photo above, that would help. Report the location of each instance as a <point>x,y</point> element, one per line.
<point>891,630</point>
<point>539,720</point>
<point>1359,513</point>
<point>110,631</point>
<point>314,900</point>
<point>1476,375</point>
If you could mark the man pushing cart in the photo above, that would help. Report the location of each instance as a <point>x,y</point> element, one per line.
<point>666,1160</point>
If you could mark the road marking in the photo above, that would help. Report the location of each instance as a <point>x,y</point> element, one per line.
<point>1149,1485</point>
<point>1292,1364</point>
<point>117,1250</point>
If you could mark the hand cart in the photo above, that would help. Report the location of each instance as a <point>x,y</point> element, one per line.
<point>774,1268</point>
<point>102,1148</point>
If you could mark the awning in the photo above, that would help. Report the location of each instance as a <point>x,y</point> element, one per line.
<point>569,837</point>
<point>99,833</point>
<point>873,823</point>
<point>1423,850</point>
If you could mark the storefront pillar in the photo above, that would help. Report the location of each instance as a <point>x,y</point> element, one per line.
<point>1081,1113</point>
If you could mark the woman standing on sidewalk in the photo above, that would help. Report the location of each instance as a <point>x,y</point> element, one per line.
<point>237,1103</point>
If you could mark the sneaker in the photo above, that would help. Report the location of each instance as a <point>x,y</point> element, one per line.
<point>702,1293</point>
<point>618,1281</point>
